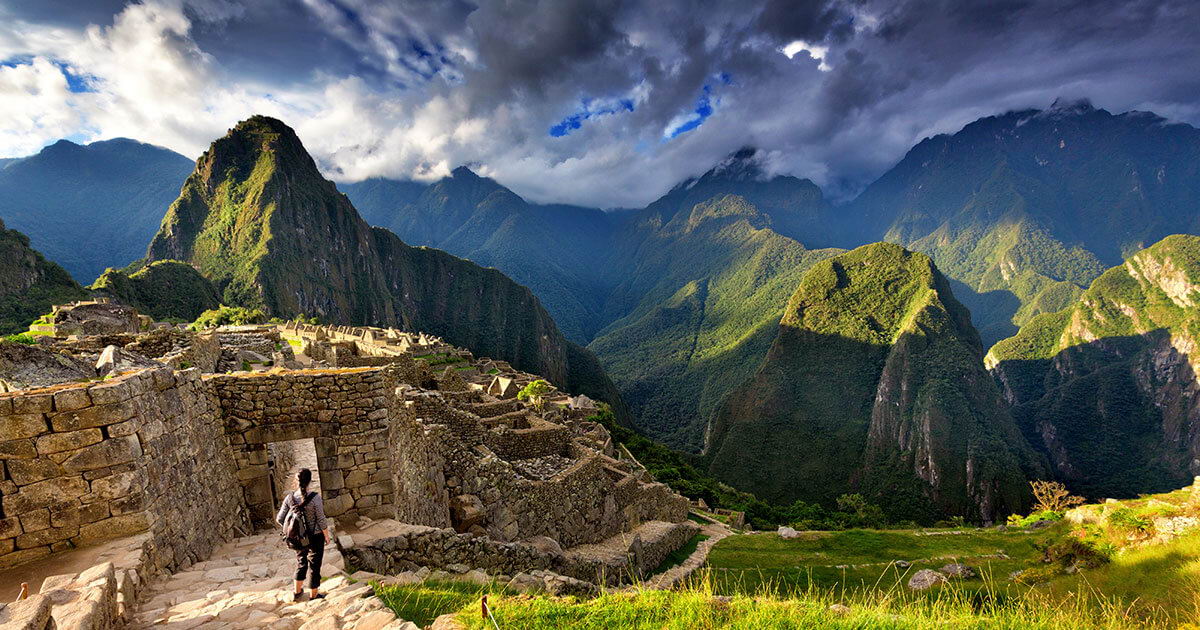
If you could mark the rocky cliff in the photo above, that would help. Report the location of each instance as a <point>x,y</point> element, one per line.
<point>260,221</point>
<point>875,384</point>
<point>1107,388</point>
<point>29,284</point>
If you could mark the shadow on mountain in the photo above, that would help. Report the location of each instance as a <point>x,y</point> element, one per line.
<point>1116,417</point>
<point>916,426</point>
<point>992,312</point>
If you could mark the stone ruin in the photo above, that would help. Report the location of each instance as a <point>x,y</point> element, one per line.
<point>100,316</point>
<point>417,460</point>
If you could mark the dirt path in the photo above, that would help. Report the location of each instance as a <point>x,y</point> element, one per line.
<point>248,584</point>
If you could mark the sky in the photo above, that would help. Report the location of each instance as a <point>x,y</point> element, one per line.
<point>604,103</point>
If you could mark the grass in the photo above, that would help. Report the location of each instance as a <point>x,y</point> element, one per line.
<point>422,603</point>
<point>698,607</point>
<point>854,559</point>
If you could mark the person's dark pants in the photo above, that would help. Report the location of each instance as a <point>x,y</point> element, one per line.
<point>308,560</point>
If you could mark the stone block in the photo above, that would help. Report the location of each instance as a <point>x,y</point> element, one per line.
<point>44,537</point>
<point>46,493</point>
<point>94,416</point>
<point>10,527</point>
<point>112,392</point>
<point>17,449</point>
<point>356,478</point>
<point>33,403</point>
<point>332,480</point>
<point>72,399</point>
<point>36,520</point>
<point>26,471</point>
<point>338,505</point>
<point>106,453</point>
<point>22,425</point>
<point>118,485</point>
<point>60,442</point>
<point>112,528</point>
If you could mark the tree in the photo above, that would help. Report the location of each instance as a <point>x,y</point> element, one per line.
<point>1052,496</point>
<point>534,392</point>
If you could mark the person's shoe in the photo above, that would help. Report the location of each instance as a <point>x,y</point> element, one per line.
<point>297,596</point>
<point>317,596</point>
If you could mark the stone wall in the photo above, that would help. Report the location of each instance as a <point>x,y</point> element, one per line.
<point>89,462</point>
<point>346,412</point>
<point>203,354</point>
<point>408,547</point>
<point>589,501</point>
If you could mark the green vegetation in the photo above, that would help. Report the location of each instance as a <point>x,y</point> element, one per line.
<point>24,338</point>
<point>874,362</point>
<point>29,284</point>
<point>1083,371</point>
<point>698,607</point>
<point>228,316</point>
<point>534,390</point>
<point>163,289</point>
<point>422,603</point>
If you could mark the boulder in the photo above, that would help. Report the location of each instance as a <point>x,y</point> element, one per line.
<point>466,510</point>
<point>26,367</point>
<point>787,532</point>
<point>115,359</point>
<point>925,578</point>
<point>958,571</point>
<point>545,544</point>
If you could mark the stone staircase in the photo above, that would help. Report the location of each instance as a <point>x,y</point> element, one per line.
<point>247,583</point>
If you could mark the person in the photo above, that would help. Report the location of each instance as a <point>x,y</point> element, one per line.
<point>308,560</point>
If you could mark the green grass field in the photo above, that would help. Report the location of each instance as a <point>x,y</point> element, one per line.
<point>857,559</point>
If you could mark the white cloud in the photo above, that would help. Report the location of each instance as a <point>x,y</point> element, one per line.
<point>818,53</point>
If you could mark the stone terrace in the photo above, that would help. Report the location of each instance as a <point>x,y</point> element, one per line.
<point>410,435</point>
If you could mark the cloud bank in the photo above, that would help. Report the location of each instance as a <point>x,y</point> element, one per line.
<point>596,102</point>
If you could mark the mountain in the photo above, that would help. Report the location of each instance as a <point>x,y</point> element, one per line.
<point>164,290</point>
<point>257,219</point>
<point>29,284</point>
<point>377,199</point>
<point>1107,388</point>
<point>874,383</point>
<point>94,206</point>
<point>707,290</point>
<point>553,249</point>
<point>1025,209</point>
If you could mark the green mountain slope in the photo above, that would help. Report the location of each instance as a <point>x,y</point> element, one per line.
<point>164,289</point>
<point>712,284</point>
<point>258,220</point>
<point>1025,209</point>
<point>29,284</point>
<point>91,207</point>
<point>377,199</point>
<point>1107,388</point>
<point>874,383</point>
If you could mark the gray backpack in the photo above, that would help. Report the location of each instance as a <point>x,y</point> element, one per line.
<point>296,534</point>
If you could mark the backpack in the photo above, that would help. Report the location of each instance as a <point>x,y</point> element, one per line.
<point>295,525</point>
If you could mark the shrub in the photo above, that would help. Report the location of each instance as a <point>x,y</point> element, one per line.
<point>1073,554</point>
<point>1052,496</point>
<point>1125,519</point>
<point>228,315</point>
<point>533,392</point>
<point>24,338</point>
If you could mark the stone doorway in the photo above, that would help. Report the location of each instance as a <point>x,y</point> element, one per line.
<point>285,460</point>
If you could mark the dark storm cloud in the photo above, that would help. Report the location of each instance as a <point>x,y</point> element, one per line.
<point>652,92</point>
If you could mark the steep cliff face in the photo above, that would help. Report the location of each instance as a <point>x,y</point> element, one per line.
<point>1107,388</point>
<point>259,221</point>
<point>875,384</point>
<point>29,284</point>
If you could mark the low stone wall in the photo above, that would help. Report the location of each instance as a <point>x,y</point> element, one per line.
<point>538,440</point>
<point>408,547</point>
<point>90,462</point>
<point>203,354</point>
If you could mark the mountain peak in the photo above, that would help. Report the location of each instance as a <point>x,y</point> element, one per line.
<point>1069,106</point>
<point>463,172</point>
